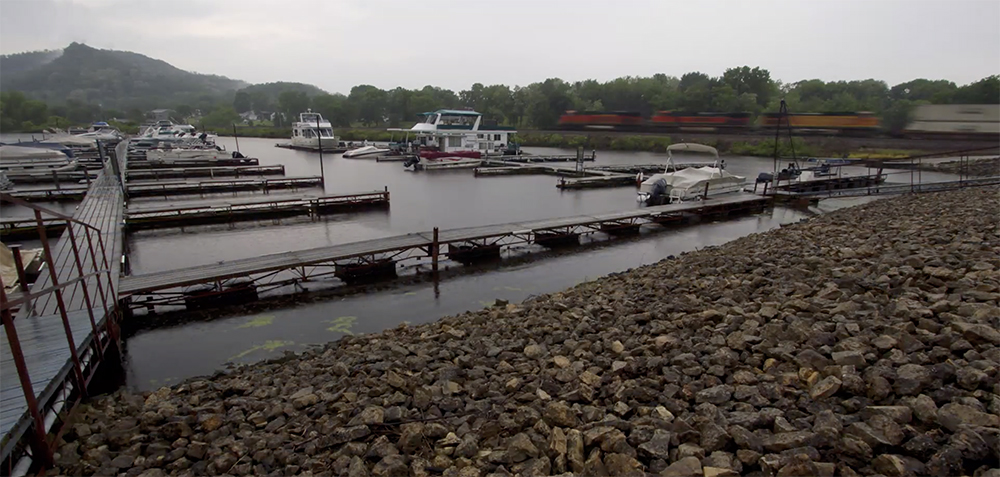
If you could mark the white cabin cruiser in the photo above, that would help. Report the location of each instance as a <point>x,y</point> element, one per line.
<point>166,155</point>
<point>102,131</point>
<point>690,183</point>
<point>27,160</point>
<point>449,131</point>
<point>167,131</point>
<point>312,131</point>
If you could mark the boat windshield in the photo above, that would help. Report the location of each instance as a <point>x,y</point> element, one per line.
<point>310,117</point>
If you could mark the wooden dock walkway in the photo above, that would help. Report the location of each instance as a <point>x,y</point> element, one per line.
<point>47,325</point>
<point>225,171</point>
<point>423,243</point>
<point>883,189</point>
<point>175,163</point>
<point>64,177</point>
<point>163,189</point>
<point>141,218</point>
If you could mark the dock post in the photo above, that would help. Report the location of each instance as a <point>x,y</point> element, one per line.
<point>22,281</point>
<point>319,144</point>
<point>705,195</point>
<point>435,250</point>
<point>55,178</point>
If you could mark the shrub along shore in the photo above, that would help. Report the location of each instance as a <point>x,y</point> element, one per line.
<point>859,342</point>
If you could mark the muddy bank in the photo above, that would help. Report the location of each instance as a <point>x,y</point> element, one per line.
<point>859,342</point>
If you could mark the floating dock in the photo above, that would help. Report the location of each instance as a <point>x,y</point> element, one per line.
<point>186,172</point>
<point>180,163</point>
<point>140,218</point>
<point>353,260</point>
<point>594,182</point>
<point>333,150</point>
<point>163,189</point>
<point>68,177</point>
<point>158,189</point>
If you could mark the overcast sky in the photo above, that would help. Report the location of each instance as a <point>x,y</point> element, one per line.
<point>336,44</point>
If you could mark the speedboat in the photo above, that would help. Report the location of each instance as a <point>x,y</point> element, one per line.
<point>364,151</point>
<point>691,183</point>
<point>312,131</point>
<point>434,160</point>
<point>27,160</point>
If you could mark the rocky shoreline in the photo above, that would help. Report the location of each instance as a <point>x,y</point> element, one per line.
<point>860,342</point>
<point>976,167</point>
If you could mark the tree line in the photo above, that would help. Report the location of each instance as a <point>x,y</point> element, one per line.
<point>539,105</point>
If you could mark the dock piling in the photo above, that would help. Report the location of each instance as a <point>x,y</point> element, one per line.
<point>435,250</point>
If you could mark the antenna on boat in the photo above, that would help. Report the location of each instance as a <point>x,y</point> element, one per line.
<point>237,137</point>
<point>783,114</point>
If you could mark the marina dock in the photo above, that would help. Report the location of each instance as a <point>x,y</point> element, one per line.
<point>225,171</point>
<point>165,189</point>
<point>141,218</point>
<point>182,163</point>
<point>354,260</point>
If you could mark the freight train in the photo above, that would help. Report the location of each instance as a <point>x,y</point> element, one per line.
<point>953,121</point>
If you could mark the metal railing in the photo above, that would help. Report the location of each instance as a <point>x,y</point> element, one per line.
<point>83,279</point>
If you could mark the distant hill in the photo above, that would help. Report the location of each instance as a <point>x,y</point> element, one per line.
<point>113,79</point>
<point>18,62</point>
<point>274,89</point>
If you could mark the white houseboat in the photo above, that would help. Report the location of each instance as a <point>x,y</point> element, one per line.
<point>449,138</point>
<point>311,131</point>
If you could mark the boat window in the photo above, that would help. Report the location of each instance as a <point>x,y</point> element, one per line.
<point>327,132</point>
<point>455,141</point>
<point>496,137</point>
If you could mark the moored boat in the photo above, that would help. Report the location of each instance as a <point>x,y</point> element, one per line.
<point>366,151</point>
<point>451,131</point>
<point>311,131</point>
<point>691,183</point>
<point>434,160</point>
<point>26,160</point>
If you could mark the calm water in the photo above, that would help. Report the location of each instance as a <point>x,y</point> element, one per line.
<point>159,354</point>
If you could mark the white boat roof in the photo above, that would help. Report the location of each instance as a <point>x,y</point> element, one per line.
<point>693,147</point>
<point>8,151</point>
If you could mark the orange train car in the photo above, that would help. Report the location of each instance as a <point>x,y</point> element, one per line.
<point>679,120</point>
<point>847,122</point>
<point>621,120</point>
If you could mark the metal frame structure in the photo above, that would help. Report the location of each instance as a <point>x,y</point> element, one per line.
<point>97,286</point>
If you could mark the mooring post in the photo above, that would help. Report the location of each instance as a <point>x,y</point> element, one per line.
<point>705,195</point>
<point>319,146</point>
<point>22,281</point>
<point>434,252</point>
<point>55,178</point>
